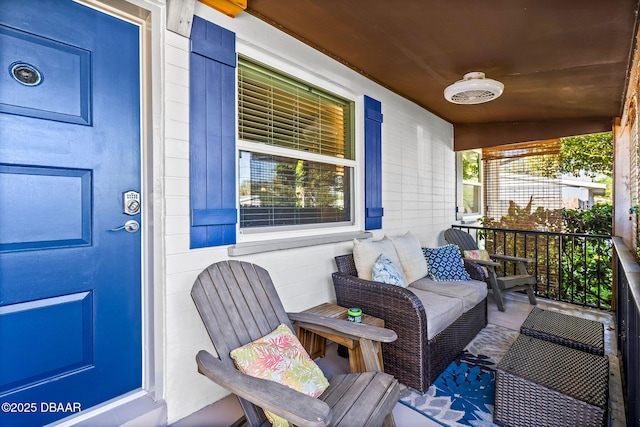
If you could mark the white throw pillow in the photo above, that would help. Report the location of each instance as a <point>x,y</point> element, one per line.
<point>366,253</point>
<point>412,260</point>
<point>385,271</point>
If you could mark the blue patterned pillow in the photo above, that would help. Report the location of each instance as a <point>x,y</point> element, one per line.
<point>385,271</point>
<point>445,263</point>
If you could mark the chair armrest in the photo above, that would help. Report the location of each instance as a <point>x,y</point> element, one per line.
<point>348,329</point>
<point>483,262</point>
<point>474,270</point>
<point>401,310</point>
<point>512,258</point>
<point>298,408</point>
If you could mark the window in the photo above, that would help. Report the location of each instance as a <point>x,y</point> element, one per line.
<point>296,152</point>
<point>471,167</point>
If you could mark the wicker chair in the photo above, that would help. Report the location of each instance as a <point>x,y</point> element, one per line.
<point>499,284</point>
<point>413,359</point>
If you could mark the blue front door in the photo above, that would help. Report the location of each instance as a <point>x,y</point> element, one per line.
<point>70,287</point>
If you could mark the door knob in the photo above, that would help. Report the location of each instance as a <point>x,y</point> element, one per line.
<point>130,226</point>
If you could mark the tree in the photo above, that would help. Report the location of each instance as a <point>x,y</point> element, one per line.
<point>587,154</point>
<point>590,155</point>
<point>470,166</point>
<point>583,273</point>
<point>597,220</point>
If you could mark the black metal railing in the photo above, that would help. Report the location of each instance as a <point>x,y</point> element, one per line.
<point>575,268</point>
<point>628,324</point>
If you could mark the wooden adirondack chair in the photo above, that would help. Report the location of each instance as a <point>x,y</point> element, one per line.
<point>238,304</point>
<point>499,284</point>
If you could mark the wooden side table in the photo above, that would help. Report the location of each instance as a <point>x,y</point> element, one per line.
<point>315,341</point>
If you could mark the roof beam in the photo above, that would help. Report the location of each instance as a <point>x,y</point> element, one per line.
<point>180,16</point>
<point>180,12</point>
<point>228,7</point>
<point>481,135</point>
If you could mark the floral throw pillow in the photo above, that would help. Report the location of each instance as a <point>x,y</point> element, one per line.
<point>279,357</point>
<point>481,254</point>
<point>385,271</point>
<point>445,263</point>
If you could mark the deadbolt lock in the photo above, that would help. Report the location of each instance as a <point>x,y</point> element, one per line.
<point>131,202</point>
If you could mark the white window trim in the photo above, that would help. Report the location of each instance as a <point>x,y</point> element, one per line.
<point>467,218</point>
<point>257,147</point>
<point>288,67</point>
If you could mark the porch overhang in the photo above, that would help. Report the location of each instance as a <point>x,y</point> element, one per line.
<point>469,136</point>
<point>565,66</point>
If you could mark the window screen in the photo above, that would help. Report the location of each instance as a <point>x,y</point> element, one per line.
<point>279,191</point>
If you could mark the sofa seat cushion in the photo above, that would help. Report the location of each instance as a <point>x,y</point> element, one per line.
<point>441,310</point>
<point>470,292</point>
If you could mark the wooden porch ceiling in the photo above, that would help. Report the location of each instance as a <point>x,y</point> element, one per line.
<point>564,63</point>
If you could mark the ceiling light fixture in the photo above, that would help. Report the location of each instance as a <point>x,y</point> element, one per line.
<point>474,88</point>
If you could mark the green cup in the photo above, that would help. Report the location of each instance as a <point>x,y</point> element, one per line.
<point>354,314</point>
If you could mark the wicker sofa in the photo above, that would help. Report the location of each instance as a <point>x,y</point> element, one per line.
<point>414,359</point>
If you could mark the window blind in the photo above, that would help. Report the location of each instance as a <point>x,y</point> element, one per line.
<point>276,110</point>
<point>634,164</point>
<point>519,179</point>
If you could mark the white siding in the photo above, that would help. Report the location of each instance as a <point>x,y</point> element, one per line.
<point>418,195</point>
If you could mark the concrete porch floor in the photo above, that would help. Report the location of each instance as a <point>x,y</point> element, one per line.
<point>227,411</point>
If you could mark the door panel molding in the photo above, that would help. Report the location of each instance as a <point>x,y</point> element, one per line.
<point>61,347</point>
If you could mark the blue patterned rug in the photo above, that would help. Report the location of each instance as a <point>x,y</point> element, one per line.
<point>463,394</point>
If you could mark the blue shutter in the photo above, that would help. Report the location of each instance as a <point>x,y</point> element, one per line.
<point>212,135</point>
<point>372,164</point>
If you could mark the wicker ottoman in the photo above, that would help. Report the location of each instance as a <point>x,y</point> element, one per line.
<point>571,331</point>
<point>540,383</point>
